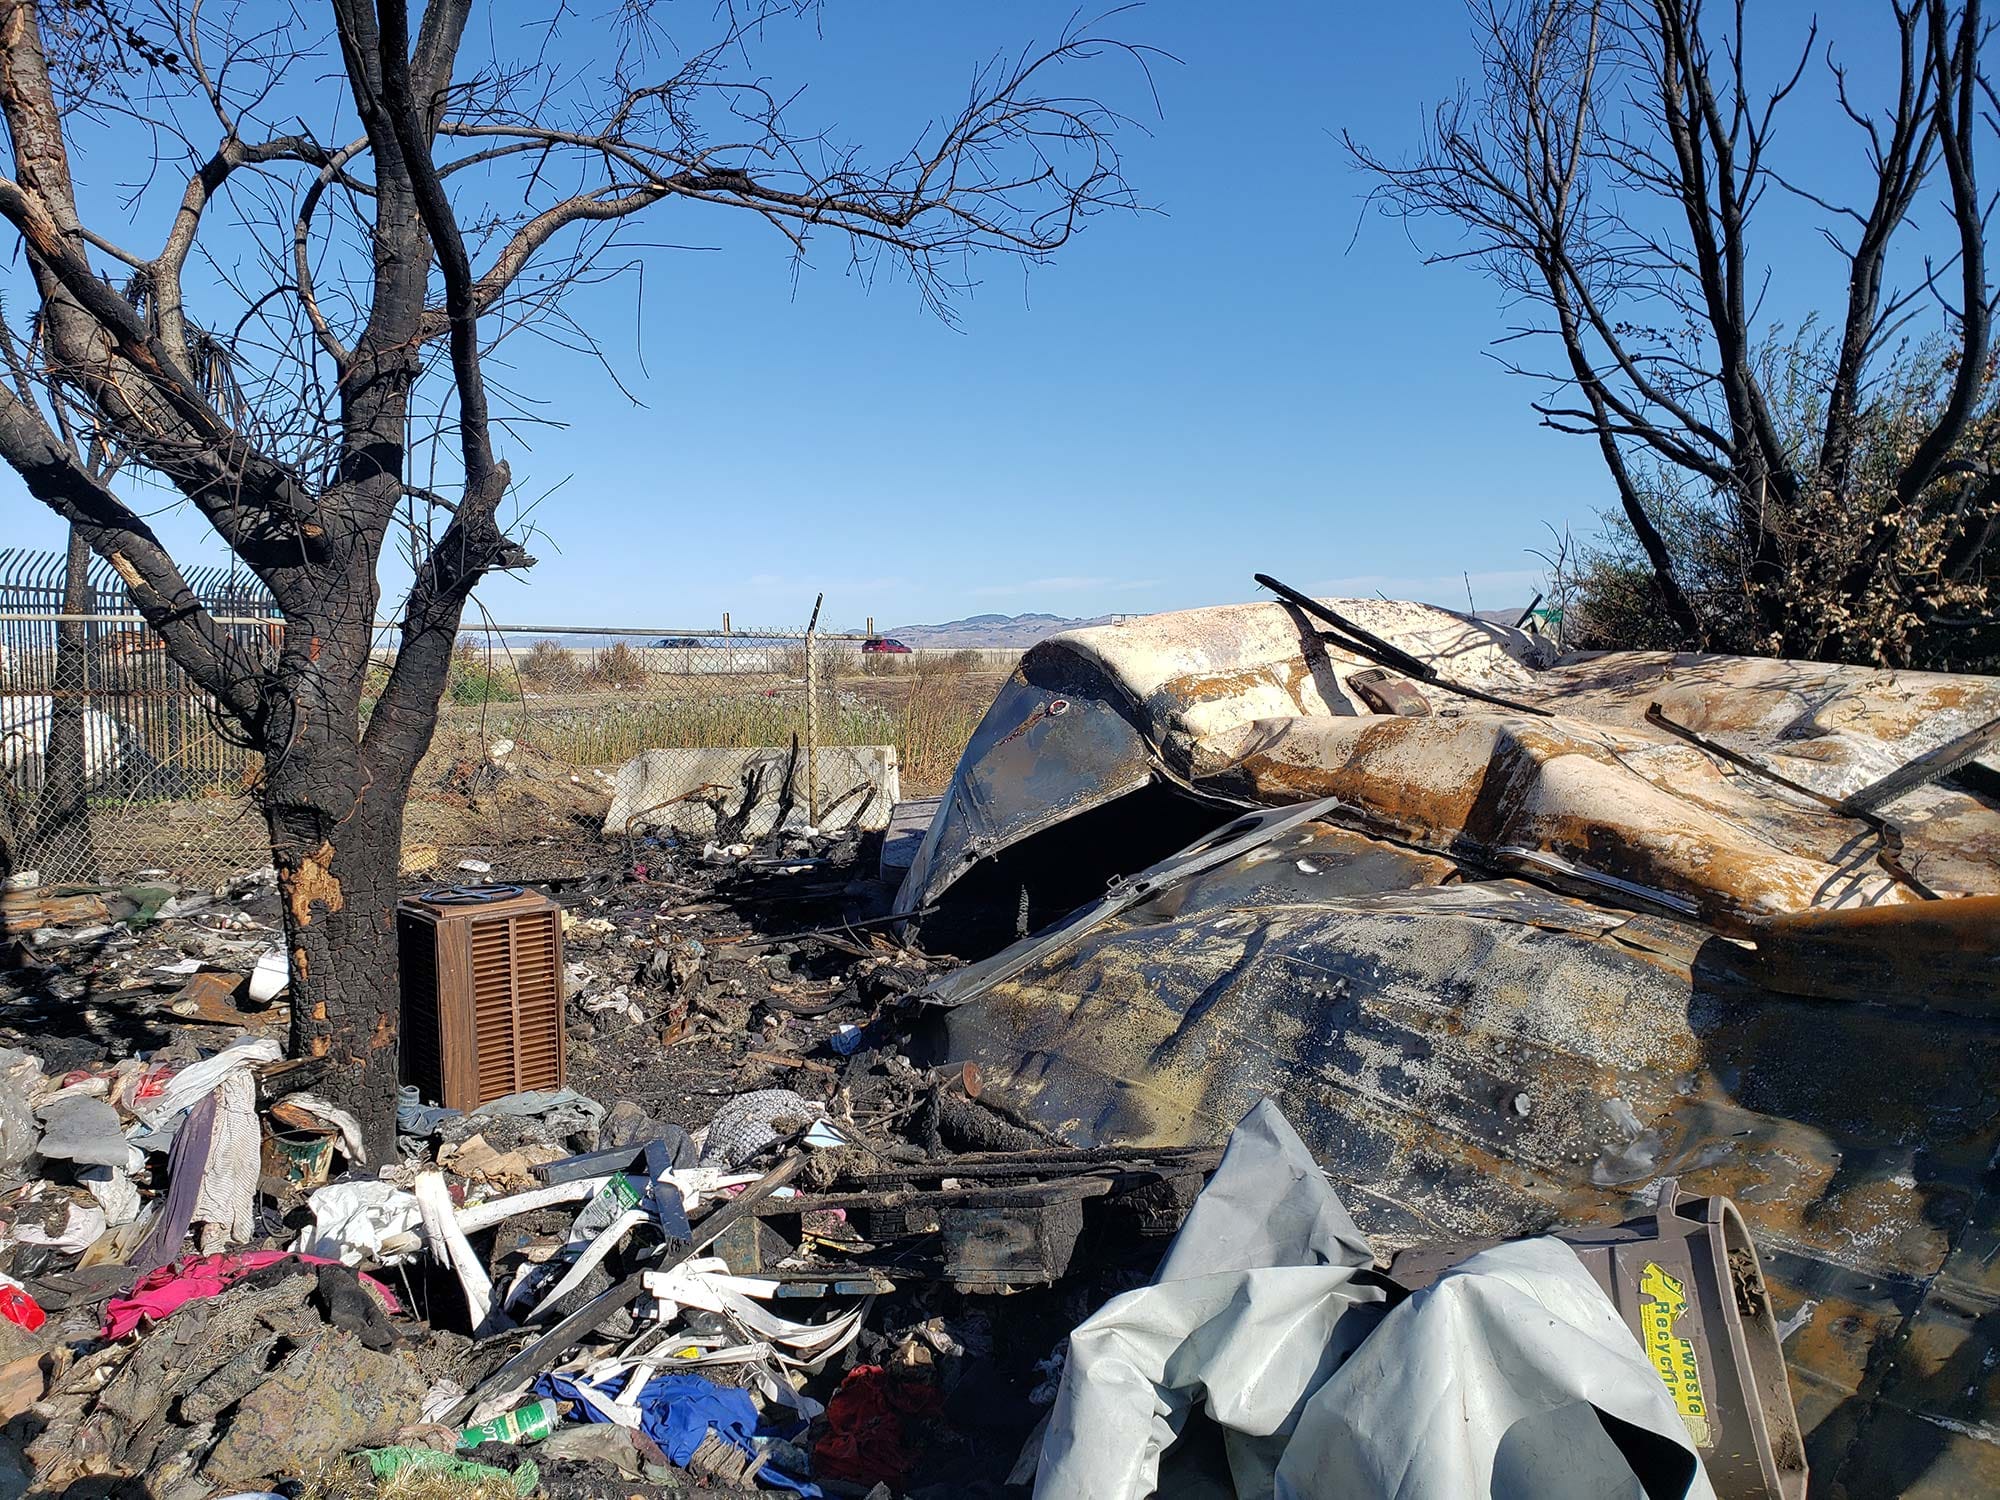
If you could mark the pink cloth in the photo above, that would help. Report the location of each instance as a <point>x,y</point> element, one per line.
<point>160,1293</point>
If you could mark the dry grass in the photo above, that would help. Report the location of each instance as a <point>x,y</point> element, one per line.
<point>923,663</point>
<point>350,1479</point>
<point>608,733</point>
<point>927,708</point>
<point>937,718</point>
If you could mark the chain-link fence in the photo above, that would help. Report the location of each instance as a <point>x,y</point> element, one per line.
<point>114,764</point>
<point>701,733</point>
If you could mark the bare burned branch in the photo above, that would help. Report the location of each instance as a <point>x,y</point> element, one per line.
<point>303,356</point>
<point>1608,170</point>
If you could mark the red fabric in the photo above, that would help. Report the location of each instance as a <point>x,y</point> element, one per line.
<point>160,1293</point>
<point>868,1426</point>
<point>16,1306</point>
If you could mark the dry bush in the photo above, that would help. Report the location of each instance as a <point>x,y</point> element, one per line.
<point>618,667</point>
<point>834,659</point>
<point>550,668</point>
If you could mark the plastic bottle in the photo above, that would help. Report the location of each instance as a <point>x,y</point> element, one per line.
<point>524,1424</point>
<point>16,1306</point>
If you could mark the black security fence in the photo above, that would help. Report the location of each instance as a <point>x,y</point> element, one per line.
<point>112,761</point>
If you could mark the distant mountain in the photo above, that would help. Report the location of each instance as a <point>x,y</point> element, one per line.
<point>992,631</point>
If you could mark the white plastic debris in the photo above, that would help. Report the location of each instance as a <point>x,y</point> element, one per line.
<point>271,978</point>
<point>114,1193</point>
<point>449,1244</point>
<point>368,1220</point>
<point>81,1227</point>
<point>349,1128</point>
<point>1262,1314</point>
<point>707,1286</point>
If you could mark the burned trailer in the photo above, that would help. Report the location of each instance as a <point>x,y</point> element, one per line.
<point>1513,957</point>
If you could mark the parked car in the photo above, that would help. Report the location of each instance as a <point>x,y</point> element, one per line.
<point>677,643</point>
<point>882,644</point>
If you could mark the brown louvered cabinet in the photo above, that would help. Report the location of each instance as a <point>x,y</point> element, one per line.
<point>482,993</point>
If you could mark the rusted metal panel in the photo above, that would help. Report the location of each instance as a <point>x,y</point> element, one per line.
<point>1943,955</point>
<point>1056,742</point>
<point>1474,1057</point>
<point>1512,970</point>
<point>1249,703</point>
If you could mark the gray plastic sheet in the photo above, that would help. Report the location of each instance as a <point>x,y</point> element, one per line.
<point>1513,1377</point>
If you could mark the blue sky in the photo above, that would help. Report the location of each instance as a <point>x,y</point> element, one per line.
<point>1238,382</point>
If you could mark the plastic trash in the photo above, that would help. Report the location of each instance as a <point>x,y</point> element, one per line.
<point>20,1076</point>
<point>16,1306</point>
<point>750,1122</point>
<point>364,1220</point>
<point>84,1130</point>
<point>271,978</point>
<point>1266,1311</point>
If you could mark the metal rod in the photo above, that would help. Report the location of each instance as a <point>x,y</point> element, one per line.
<point>812,713</point>
<point>1375,649</point>
<point>1930,766</point>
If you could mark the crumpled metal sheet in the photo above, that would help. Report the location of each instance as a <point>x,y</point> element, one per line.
<point>1472,1058</point>
<point>1093,715</point>
<point>1058,741</point>
<point>1522,967</point>
<point>1643,808</point>
<point>1248,704</point>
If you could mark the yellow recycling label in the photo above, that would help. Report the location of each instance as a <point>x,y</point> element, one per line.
<point>1672,1355</point>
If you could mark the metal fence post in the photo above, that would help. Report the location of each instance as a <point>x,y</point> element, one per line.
<point>812,713</point>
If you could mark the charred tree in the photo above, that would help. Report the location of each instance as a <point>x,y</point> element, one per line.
<point>1606,170</point>
<point>292,366</point>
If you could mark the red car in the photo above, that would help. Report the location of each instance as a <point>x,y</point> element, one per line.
<point>882,644</point>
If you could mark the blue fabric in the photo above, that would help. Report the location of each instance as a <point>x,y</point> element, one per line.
<point>677,1412</point>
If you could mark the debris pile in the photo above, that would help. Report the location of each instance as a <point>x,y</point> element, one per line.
<point>840,1181</point>
<point>753,1243</point>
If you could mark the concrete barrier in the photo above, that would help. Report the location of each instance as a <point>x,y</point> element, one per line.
<point>703,793</point>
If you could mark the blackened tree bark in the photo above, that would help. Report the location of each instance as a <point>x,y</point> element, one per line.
<point>350,291</point>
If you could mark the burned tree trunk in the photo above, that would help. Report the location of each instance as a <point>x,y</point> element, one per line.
<point>337,862</point>
<point>346,333</point>
<point>333,801</point>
